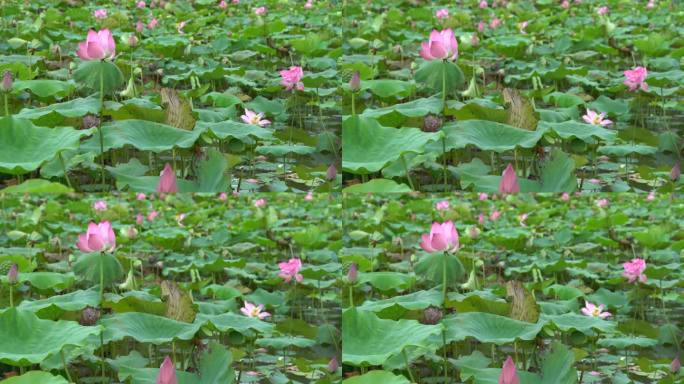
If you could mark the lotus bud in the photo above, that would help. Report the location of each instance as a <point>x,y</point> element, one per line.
<point>473,232</point>
<point>355,82</point>
<point>7,81</point>
<point>132,40</point>
<point>431,123</point>
<point>13,275</point>
<point>509,374</point>
<point>333,364</point>
<point>167,180</point>
<point>509,181</point>
<point>89,316</point>
<point>432,315</point>
<point>353,273</point>
<point>675,172</point>
<point>167,372</point>
<point>331,173</point>
<point>676,365</point>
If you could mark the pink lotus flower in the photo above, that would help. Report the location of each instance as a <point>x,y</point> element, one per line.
<point>442,237</point>
<point>223,196</point>
<point>481,26</point>
<point>602,10</point>
<point>13,275</point>
<point>636,78</point>
<point>259,202</point>
<point>291,78</point>
<point>140,196</point>
<point>309,196</point>
<point>139,218</point>
<point>254,118</point>
<point>522,26</point>
<point>441,46</point>
<point>223,4</point>
<point>290,269</point>
<point>153,23</point>
<point>565,4</point>
<point>601,203</point>
<point>494,23</point>
<point>650,5</point>
<point>483,4</point>
<point>139,26</point>
<point>592,310</point>
<point>7,81</point>
<point>98,238</point>
<point>100,13</point>
<point>100,205</point>
<point>331,172</point>
<point>509,374</point>
<point>180,26</point>
<point>251,310</point>
<point>353,272</point>
<point>442,13</point>
<point>675,172</point>
<point>140,4</point>
<point>594,118</point>
<point>167,372</point>
<point>522,218</point>
<point>565,196</point>
<point>651,196</point>
<point>152,215</point>
<point>260,10</point>
<point>167,180</point>
<point>494,216</point>
<point>481,218</point>
<point>333,364</point>
<point>509,181</point>
<point>308,5</point>
<point>634,270</point>
<point>675,365</point>
<point>442,205</point>
<point>483,196</point>
<point>98,46</point>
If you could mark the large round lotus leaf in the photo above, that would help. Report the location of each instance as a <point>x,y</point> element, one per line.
<point>281,343</point>
<point>38,186</point>
<point>25,339</point>
<point>489,328</point>
<point>413,301</point>
<point>370,340</point>
<point>282,150</point>
<point>374,377</point>
<point>584,324</point>
<point>386,280</point>
<point>233,322</point>
<point>24,147</point>
<point>71,108</point>
<point>488,136</point>
<point>415,108</point>
<point>431,266</point>
<point>240,131</point>
<point>389,87</point>
<point>369,147</point>
<point>88,265</point>
<point>72,301</point>
<point>146,328</point>
<point>585,132</point>
<point>33,377</point>
<point>45,87</point>
<point>143,135</point>
<point>627,149</point>
<point>378,186</point>
<point>438,73</point>
<point>623,343</point>
<point>48,280</point>
<point>99,73</point>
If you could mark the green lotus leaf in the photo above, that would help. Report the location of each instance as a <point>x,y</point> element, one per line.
<point>239,131</point>
<point>71,108</point>
<point>88,266</point>
<point>33,377</point>
<point>369,340</point>
<point>627,149</point>
<point>146,328</point>
<point>488,136</point>
<point>374,377</point>
<point>369,147</point>
<point>48,280</point>
<point>413,301</point>
<point>282,150</point>
<point>99,73</point>
<point>431,266</point>
<point>72,301</point>
<point>584,324</point>
<point>25,339</point>
<point>24,147</point>
<point>623,343</point>
<point>378,186</point>
<point>38,186</point>
<point>585,132</point>
<point>438,73</point>
<point>385,281</point>
<point>414,108</point>
<point>489,328</point>
<point>143,135</point>
<point>45,88</point>
<point>281,343</point>
<point>388,87</point>
<point>232,322</point>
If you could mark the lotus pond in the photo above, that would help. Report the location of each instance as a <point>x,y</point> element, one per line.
<point>544,288</point>
<point>100,95</point>
<point>574,95</point>
<point>169,289</point>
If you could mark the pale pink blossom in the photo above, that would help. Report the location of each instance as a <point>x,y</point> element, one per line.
<point>594,118</point>
<point>651,196</point>
<point>98,46</point>
<point>442,45</point>
<point>565,4</point>
<point>495,215</point>
<point>167,180</point>
<point>650,5</point>
<point>308,5</point>
<point>153,23</point>
<point>254,118</point>
<point>251,310</point>
<point>223,4</point>
<point>634,270</point>
<point>140,4</point>
<point>100,205</point>
<point>509,374</point>
<point>259,202</point>
<point>223,196</point>
<point>139,218</point>
<point>167,372</point>
<point>522,26</point>
<point>180,218</point>
<point>291,78</point>
<point>481,26</point>
<point>636,79</point>
<point>442,237</point>
<point>139,26</point>
<point>483,196</point>
<point>442,205</point>
<point>481,218</point>
<point>442,13</point>
<point>309,196</point>
<point>595,311</point>
<point>602,10</point>
<point>483,4</point>
<point>494,23</point>
<point>565,196</point>
<point>260,10</point>
<point>140,196</point>
<point>601,203</point>
<point>180,26</point>
<point>290,269</point>
<point>509,181</point>
<point>100,13</point>
<point>522,218</point>
<point>152,215</point>
<point>98,238</point>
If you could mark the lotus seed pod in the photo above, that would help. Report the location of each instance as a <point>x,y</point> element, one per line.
<point>90,121</point>
<point>432,315</point>
<point>432,123</point>
<point>89,316</point>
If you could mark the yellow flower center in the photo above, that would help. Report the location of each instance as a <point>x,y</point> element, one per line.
<point>596,312</point>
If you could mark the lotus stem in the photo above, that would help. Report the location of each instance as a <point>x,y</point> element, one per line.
<point>408,368</point>
<point>66,369</point>
<point>444,105</point>
<point>444,162</point>
<point>101,281</point>
<point>444,282</point>
<point>102,359</point>
<point>66,175</point>
<point>444,354</point>
<point>351,296</point>
<point>11,298</point>
<point>408,175</point>
<point>6,105</point>
<point>353,103</point>
<point>99,128</point>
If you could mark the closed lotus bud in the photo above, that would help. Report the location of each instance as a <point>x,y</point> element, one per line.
<point>432,315</point>
<point>13,275</point>
<point>90,121</point>
<point>353,273</point>
<point>333,365</point>
<point>473,232</point>
<point>7,81</point>
<point>675,172</point>
<point>432,123</point>
<point>676,365</point>
<point>167,372</point>
<point>132,40</point>
<point>89,316</point>
<point>355,82</point>
<point>331,173</point>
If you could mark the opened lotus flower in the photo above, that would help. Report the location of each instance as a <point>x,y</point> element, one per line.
<point>442,237</point>
<point>442,45</point>
<point>251,310</point>
<point>291,78</point>
<point>98,46</point>
<point>634,270</point>
<point>98,238</point>
<point>290,269</point>
<point>636,79</point>
<point>593,310</point>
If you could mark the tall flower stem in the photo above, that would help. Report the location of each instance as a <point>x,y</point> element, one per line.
<point>444,308</point>
<point>353,97</point>
<point>351,296</point>
<point>101,281</point>
<point>11,298</point>
<point>444,93</point>
<point>99,128</point>
<point>444,162</point>
<point>6,105</point>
